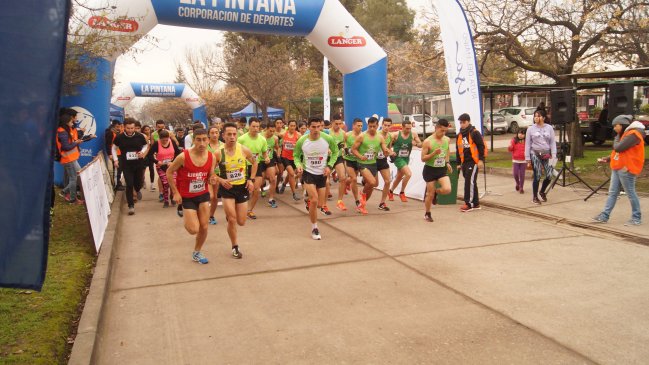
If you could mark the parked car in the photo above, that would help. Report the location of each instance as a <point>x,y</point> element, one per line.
<point>418,124</point>
<point>644,119</point>
<point>499,124</point>
<point>518,116</point>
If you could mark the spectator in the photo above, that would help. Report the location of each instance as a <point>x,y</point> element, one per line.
<point>67,144</point>
<point>517,148</point>
<point>540,147</point>
<point>471,154</point>
<point>627,160</point>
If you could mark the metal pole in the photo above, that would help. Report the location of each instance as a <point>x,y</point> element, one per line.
<point>423,112</point>
<point>491,111</point>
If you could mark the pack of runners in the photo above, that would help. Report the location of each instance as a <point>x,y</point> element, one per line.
<point>240,162</point>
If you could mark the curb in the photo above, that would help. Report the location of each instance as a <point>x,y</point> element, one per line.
<point>84,348</point>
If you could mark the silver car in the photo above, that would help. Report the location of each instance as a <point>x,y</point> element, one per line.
<point>518,117</point>
<point>499,124</point>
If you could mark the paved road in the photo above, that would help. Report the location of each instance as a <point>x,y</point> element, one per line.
<point>486,287</point>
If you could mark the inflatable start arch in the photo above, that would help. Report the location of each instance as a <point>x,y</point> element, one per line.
<point>325,23</point>
<point>140,89</point>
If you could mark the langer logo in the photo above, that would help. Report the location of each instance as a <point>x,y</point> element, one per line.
<point>119,25</point>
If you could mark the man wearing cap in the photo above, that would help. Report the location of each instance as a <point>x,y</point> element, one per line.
<point>627,161</point>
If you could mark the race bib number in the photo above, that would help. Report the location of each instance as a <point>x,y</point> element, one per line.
<point>289,146</point>
<point>616,157</point>
<point>369,155</point>
<point>380,155</point>
<point>404,153</point>
<point>131,156</point>
<point>315,161</point>
<point>439,162</point>
<point>166,161</point>
<point>234,175</point>
<point>196,186</point>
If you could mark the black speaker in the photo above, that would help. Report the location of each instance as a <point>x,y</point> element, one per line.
<point>620,99</point>
<point>562,106</point>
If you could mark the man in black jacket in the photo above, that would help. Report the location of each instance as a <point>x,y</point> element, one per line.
<point>470,155</point>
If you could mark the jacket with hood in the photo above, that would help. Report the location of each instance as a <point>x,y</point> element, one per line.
<point>476,137</point>
<point>628,150</point>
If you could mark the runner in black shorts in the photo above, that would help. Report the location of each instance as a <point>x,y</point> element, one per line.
<point>382,163</point>
<point>435,154</point>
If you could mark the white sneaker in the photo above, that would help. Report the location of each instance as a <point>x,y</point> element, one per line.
<point>315,234</point>
<point>152,188</point>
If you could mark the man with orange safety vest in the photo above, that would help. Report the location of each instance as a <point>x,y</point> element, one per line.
<point>470,154</point>
<point>67,144</point>
<point>627,161</point>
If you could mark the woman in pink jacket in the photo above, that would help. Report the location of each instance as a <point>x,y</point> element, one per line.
<point>517,148</point>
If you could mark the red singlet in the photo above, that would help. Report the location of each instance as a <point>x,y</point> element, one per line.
<point>192,179</point>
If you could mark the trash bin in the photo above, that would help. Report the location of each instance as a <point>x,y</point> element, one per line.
<point>451,198</point>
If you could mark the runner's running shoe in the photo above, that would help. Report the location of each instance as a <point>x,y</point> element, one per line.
<point>315,234</point>
<point>199,257</point>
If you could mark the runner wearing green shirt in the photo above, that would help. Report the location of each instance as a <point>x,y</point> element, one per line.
<point>366,148</point>
<point>402,146</point>
<point>272,143</point>
<point>382,164</point>
<point>212,146</point>
<point>339,136</point>
<point>351,161</point>
<point>311,159</point>
<point>257,145</point>
<point>435,155</point>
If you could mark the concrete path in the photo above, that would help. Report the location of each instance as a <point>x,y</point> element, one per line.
<point>487,287</point>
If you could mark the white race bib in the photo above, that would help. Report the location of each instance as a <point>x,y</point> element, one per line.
<point>131,156</point>
<point>166,160</point>
<point>289,146</point>
<point>404,153</point>
<point>314,161</point>
<point>369,155</point>
<point>380,155</point>
<point>196,186</point>
<point>439,162</point>
<point>234,175</point>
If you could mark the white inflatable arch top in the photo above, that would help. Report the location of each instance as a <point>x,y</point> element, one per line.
<point>325,23</point>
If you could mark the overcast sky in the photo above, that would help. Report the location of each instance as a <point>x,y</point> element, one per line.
<point>158,64</point>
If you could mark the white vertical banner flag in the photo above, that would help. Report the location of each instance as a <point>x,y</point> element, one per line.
<point>325,96</point>
<point>461,63</point>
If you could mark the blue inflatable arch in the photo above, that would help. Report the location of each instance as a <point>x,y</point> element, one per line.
<point>140,89</point>
<point>325,23</point>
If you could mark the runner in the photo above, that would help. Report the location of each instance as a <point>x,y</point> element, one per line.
<point>159,126</point>
<point>403,142</point>
<point>133,146</point>
<point>352,162</point>
<point>338,136</point>
<point>311,153</point>
<point>256,143</point>
<point>289,139</point>
<point>435,155</point>
<point>213,146</point>
<point>382,163</point>
<point>235,184</point>
<point>270,172</point>
<point>195,169</point>
<point>279,130</point>
<point>242,126</point>
<point>366,148</point>
<point>162,154</point>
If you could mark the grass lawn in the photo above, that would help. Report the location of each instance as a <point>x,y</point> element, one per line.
<point>587,167</point>
<point>35,328</point>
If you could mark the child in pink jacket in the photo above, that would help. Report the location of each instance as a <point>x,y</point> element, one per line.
<point>517,148</point>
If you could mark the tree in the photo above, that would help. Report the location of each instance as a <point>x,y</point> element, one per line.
<point>384,19</point>
<point>180,75</point>
<point>630,43</point>
<point>549,37</point>
<point>85,43</point>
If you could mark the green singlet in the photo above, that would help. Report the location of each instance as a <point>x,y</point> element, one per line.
<point>270,142</point>
<point>402,147</point>
<point>349,142</point>
<point>217,170</point>
<point>388,139</point>
<point>439,161</point>
<point>369,148</point>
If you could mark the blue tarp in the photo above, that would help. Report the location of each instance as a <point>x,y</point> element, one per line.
<point>32,42</point>
<point>251,110</point>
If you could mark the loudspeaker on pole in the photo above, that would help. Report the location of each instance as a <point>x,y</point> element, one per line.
<point>562,103</point>
<point>620,99</point>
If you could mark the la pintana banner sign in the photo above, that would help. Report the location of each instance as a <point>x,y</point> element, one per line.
<point>461,63</point>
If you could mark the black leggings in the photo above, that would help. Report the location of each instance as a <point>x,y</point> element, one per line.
<point>132,175</point>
